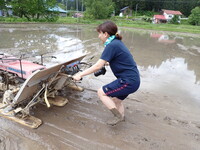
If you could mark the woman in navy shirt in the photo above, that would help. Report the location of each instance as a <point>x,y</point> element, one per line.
<point>123,67</point>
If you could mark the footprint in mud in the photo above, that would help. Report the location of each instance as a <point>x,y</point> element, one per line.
<point>182,123</point>
<point>194,135</point>
<point>152,115</point>
<point>196,124</point>
<point>136,100</point>
<point>2,143</point>
<point>176,122</point>
<point>148,142</point>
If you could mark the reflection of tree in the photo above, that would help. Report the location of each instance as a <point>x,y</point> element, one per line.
<point>149,52</point>
<point>194,65</point>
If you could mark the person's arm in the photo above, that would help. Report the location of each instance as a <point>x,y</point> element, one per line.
<point>98,65</point>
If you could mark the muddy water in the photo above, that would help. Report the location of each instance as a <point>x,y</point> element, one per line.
<point>169,65</point>
<point>164,59</point>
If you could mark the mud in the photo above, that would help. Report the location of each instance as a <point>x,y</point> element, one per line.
<point>162,114</point>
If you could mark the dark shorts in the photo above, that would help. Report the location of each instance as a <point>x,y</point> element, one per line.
<point>120,88</point>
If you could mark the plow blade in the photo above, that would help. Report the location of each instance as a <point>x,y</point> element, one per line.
<point>29,121</point>
<point>58,101</point>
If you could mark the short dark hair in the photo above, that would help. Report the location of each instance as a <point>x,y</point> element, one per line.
<point>109,27</point>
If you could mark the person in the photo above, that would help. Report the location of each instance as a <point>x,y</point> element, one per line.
<point>123,66</point>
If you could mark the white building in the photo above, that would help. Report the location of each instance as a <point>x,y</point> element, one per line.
<point>166,16</point>
<point>169,14</point>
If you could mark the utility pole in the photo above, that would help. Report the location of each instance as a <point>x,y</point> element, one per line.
<point>77,6</point>
<point>66,4</point>
<point>136,10</point>
<point>82,5</point>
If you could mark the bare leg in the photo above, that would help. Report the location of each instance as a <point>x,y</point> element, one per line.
<point>119,104</point>
<point>107,101</point>
<point>115,106</point>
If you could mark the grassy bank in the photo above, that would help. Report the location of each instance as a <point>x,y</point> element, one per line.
<point>163,27</point>
<point>122,22</point>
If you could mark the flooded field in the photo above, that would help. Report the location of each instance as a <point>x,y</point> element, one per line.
<point>162,114</point>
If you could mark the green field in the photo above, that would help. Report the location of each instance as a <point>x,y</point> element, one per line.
<point>122,22</point>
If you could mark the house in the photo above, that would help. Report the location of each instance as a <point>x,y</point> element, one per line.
<point>62,12</point>
<point>166,16</point>
<point>169,14</point>
<point>159,19</point>
<point>6,12</point>
<point>125,11</point>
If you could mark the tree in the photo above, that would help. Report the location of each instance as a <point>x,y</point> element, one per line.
<point>34,9</point>
<point>194,18</point>
<point>2,4</point>
<point>3,7</point>
<point>175,20</point>
<point>99,9</point>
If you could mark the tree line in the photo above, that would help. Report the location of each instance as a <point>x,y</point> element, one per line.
<point>101,9</point>
<point>97,9</point>
<point>185,6</point>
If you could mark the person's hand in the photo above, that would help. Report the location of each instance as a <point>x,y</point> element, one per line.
<point>77,77</point>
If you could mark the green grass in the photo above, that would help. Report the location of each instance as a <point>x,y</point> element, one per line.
<point>12,19</point>
<point>186,28</point>
<point>122,22</point>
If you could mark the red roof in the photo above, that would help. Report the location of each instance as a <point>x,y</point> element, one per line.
<point>173,12</point>
<point>160,17</point>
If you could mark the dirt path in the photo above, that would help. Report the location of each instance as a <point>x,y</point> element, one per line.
<point>153,122</point>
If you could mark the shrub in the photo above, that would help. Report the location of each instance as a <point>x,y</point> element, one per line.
<point>194,18</point>
<point>175,20</point>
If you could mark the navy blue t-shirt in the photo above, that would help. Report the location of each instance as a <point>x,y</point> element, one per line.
<point>121,61</point>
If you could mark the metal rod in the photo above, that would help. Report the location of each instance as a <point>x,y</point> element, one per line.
<point>21,66</point>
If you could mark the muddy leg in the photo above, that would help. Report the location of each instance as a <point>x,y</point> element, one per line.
<point>107,101</point>
<point>115,106</point>
<point>119,104</point>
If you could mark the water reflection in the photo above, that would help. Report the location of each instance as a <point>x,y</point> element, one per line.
<point>172,76</point>
<point>167,62</point>
<point>149,52</point>
<point>162,38</point>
